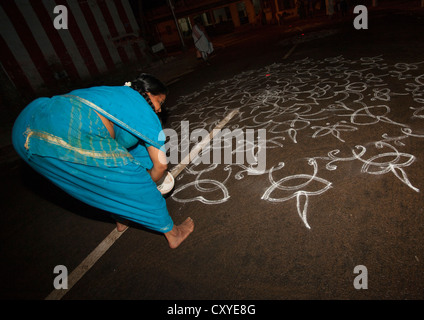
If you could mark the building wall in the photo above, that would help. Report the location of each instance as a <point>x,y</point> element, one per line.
<point>167,31</point>
<point>35,55</point>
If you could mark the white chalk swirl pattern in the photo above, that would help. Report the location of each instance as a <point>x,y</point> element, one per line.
<point>333,98</point>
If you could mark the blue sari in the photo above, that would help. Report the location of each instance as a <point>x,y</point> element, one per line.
<point>64,140</point>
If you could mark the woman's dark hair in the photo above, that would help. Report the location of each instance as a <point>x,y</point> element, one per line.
<point>148,83</point>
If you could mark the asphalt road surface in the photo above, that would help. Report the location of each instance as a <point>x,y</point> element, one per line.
<point>331,209</point>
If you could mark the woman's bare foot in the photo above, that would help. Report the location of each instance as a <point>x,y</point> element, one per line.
<point>121,226</point>
<point>179,233</point>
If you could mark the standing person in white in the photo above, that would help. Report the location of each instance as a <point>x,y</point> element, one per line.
<point>201,40</point>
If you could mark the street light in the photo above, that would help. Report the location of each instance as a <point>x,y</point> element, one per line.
<point>176,23</point>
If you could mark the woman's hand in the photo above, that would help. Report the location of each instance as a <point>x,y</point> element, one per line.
<point>159,163</point>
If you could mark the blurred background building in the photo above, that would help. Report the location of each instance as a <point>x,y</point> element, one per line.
<point>173,19</point>
<point>102,36</point>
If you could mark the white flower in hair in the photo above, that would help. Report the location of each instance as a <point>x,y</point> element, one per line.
<point>128,84</point>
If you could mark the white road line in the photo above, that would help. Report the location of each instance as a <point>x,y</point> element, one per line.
<point>198,147</point>
<point>86,264</point>
<point>290,52</point>
<point>98,252</point>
